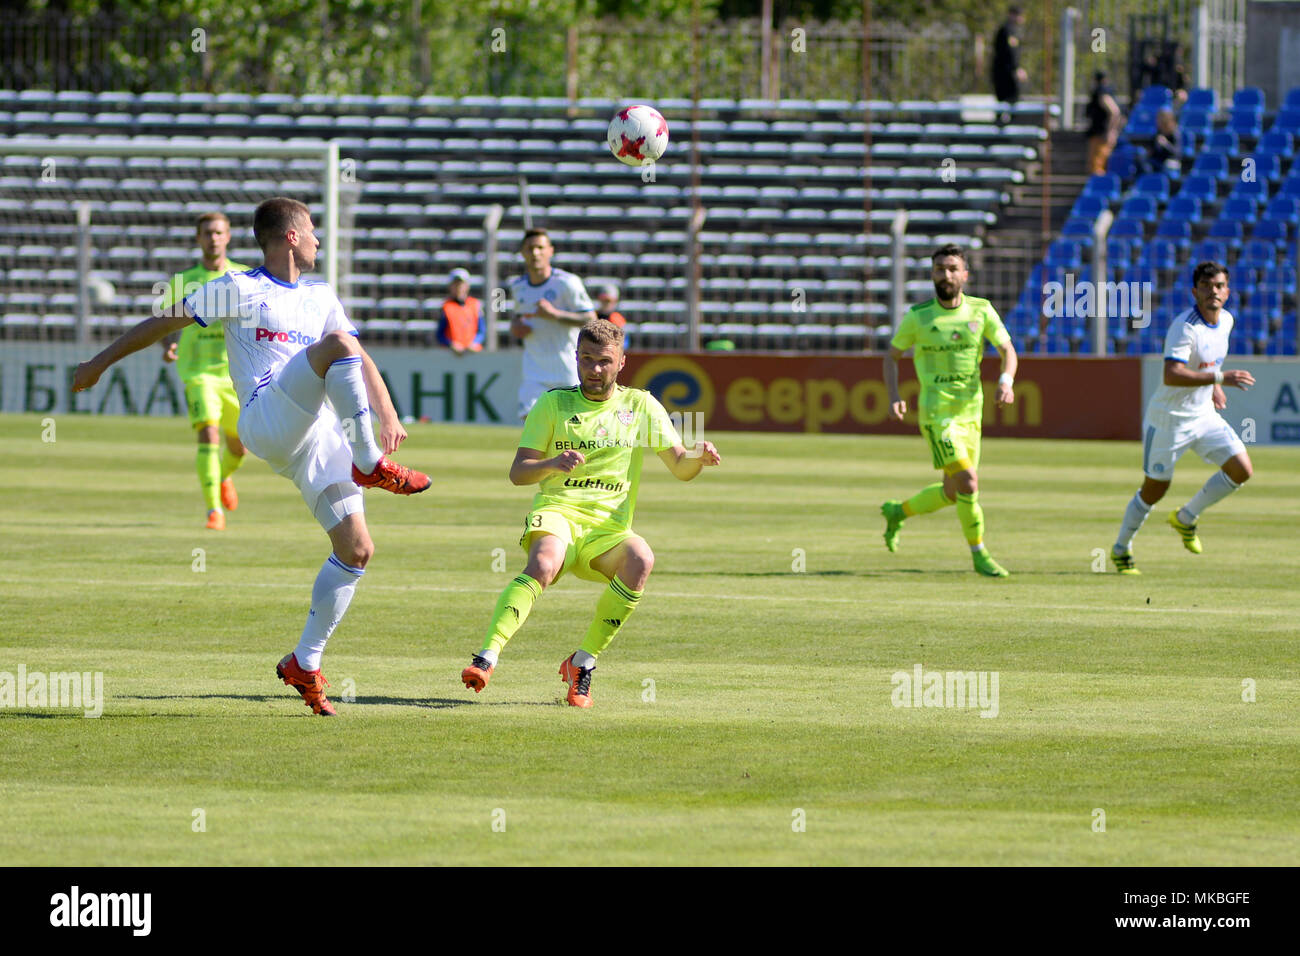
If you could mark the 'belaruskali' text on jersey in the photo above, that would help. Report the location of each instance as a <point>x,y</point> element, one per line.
<point>949,346</point>
<point>611,435</point>
<point>266,321</point>
<point>1202,348</point>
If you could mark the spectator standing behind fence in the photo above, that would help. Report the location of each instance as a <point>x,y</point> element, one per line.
<point>1007,74</point>
<point>1104,121</point>
<point>461,325</point>
<point>607,305</point>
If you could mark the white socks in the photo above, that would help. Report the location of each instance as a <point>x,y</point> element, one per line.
<point>330,597</point>
<point>1217,487</point>
<point>346,389</point>
<point>1134,515</point>
<point>584,660</point>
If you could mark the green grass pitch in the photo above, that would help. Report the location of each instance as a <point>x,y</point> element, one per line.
<point>745,714</point>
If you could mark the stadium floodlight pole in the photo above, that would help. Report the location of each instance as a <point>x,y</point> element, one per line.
<point>1099,281</point>
<point>491,229</point>
<point>523,202</point>
<point>173,146</point>
<point>1069,17</point>
<point>83,274</point>
<point>898,267</point>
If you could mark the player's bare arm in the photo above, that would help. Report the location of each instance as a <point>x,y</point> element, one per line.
<point>530,466</point>
<point>1178,374</point>
<point>140,336</point>
<point>548,310</point>
<point>897,407</point>
<point>1010,362</point>
<point>391,432</point>
<point>686,463</point>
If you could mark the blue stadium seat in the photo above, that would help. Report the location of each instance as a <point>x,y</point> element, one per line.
<point>1077,228</point>
<point>1290,186</point>
<point>1211,164</point>
<point>1266,166</point>
<point>1087,207</point>
<point>1106,186</point>
<point>1292,100</point>
<point>1199,187</point>
<point>1210,250</point>
<point>1257,254</point>
<point>1286,208</point>
<point>1155,97</point>
<point>1185,208</point>
<point>1131,229</point>
<point>1196,121</point>
<point>1281,277</point>
<point>1202,98</point>
<point>1143,207</point>
<point>1277,142</point>
<point>1141,122</point>
<point>1254,189</point>
<point>1249,125</point>
<point>1155,185</point>
<point>1064,254</point>
<point>1162,252</point>
<point>1223,141</point>
<point>1272,230</point>
<point>1248,99</point>
<point>1239,208</point>
<point>1121,165</point>
<point>1287,120</point>
<point>1228,231</point>
<point>1119,252</point>
<point>1177,230</point>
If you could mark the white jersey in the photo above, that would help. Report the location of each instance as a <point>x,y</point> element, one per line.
<point>549,351</point>
<point>266,321</point>
<point>1202,348</point>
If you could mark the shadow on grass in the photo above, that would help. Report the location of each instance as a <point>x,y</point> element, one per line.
<point>427,703</point>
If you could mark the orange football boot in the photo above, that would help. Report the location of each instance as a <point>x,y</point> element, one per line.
<point>311,684</point>
<point>477,675</point>
<point>229,498</point>
<point>579,681</point>
<point>216,520</point>
<point>391,476</point>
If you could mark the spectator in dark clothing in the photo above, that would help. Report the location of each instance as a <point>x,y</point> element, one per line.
<point>1104,119</point>
<point>1165,155</point>
<point>1007,74</point>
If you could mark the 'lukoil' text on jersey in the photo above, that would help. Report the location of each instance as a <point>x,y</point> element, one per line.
<point>267,321</point>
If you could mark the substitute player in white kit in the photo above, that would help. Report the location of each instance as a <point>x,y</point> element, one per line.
<point>1183,414</point>
<point>291,346</point>
<point>551,305</point>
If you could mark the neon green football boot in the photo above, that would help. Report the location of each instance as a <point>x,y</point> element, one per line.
<point>894,517</point>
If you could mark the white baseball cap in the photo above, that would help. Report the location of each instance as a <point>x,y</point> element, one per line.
<point>460,274</point>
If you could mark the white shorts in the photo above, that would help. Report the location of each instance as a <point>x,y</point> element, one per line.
<point>288,423</point>
<point>530,392</point>
<point>1165,437</point>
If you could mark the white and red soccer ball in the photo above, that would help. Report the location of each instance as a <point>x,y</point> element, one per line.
<point>638,135</point>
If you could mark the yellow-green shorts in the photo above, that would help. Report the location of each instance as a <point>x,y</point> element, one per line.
<point>586,541</point>
<point>954,446</point>
<point>212,403</point>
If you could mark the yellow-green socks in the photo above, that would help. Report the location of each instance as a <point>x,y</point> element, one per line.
<point>208,463</point>
<point>615,606</point>
<point>929,498</point>
<point>971,516</point>
<point>511,611</point>
<point>229,463</point>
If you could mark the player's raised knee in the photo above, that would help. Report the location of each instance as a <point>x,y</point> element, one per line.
<point>637,564</point>
<point>359,554</point>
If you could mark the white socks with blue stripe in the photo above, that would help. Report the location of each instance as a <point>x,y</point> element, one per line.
<point>346,388</point>
<point>1134,515</point>
<point>1217,487</point>
<point>330,597</point>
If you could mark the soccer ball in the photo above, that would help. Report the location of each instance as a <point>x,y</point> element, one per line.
<point>637,135</point>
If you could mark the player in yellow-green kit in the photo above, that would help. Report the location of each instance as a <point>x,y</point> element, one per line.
<point>584,445</point>
<point>948,334</point>
<point>201,363</point>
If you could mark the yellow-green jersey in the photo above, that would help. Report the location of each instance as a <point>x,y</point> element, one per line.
<point>201,352</point>
<point>611,435</point>
<point>949,346</point>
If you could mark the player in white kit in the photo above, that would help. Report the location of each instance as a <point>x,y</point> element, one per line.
<point>291,346</point>
<point>1183,413</point>
<point>551,305</point>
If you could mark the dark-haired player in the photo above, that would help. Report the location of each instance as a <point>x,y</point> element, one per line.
<point>948,334</point>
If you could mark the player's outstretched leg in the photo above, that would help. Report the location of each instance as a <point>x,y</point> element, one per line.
<point>627,566</point>
<point>1135,515</point>
<point>971,516</point>
<point>230,462</point>
<point>1186,530</point>
<point>928,499</point>
<point>336,583</point>
<point>546,553</point>
<point>1234,473</point>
